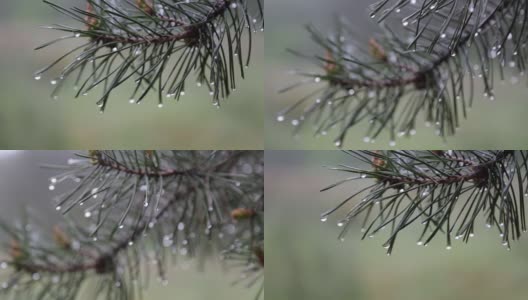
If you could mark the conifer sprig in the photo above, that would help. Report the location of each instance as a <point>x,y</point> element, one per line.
<point>426,71</point>
<point>129,210</point>
<point>447,191</point>
<point>157,45</point>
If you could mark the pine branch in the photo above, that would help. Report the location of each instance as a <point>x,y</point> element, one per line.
<point>447,190</point>
<point>391,87</point>
<point>157,45</point>
<point>140,207</point>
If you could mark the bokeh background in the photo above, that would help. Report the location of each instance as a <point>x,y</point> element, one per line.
<point>489,125</point>
<point>307,261</point>
<point>30,119</point>
<point>24,183</point>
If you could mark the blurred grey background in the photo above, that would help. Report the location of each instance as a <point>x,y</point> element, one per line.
<point>30,119</point>
<point>490,125</point>
<point>308,262</point>
<point>24,182</point>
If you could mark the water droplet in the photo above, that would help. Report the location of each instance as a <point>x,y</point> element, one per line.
<point>340,224</point>
<point>317,79</point>
<point>280,118</point>
<point>392,143</point>
<point>337,143</point>
<point>58,208</point>
<point>324,219</point>
<point>295,122</point>
<point>77,35</point>
<point>448,248</point>
<point>87,214</point>
<point>419,243</point>
<point>181,226</point>
<point>160,105</point>
<point>37,77</point>
<point>51,187</point>
<point>53,82</point>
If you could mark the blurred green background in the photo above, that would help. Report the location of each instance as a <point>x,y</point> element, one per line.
<point>490,125</point>
<point>24,183</point>
<point>30,119</point>
<point>308,262</point>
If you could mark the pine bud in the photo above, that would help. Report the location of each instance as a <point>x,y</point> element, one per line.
<point>61,238</point>
<point>15,250</point>
<point>242,213</point>
<point>146,6</point>
<point>378,162</point>
<point>92,22</point>
<point>376,50</point>
<point>330,65</point>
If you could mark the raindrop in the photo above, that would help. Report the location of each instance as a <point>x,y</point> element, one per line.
<point>340,224</point>
<point>317,79</point>
<point>87,214</point>
<point>37,77</point>
<point>323,219</point>
<point>280,118</point>
<point>51,187</point>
